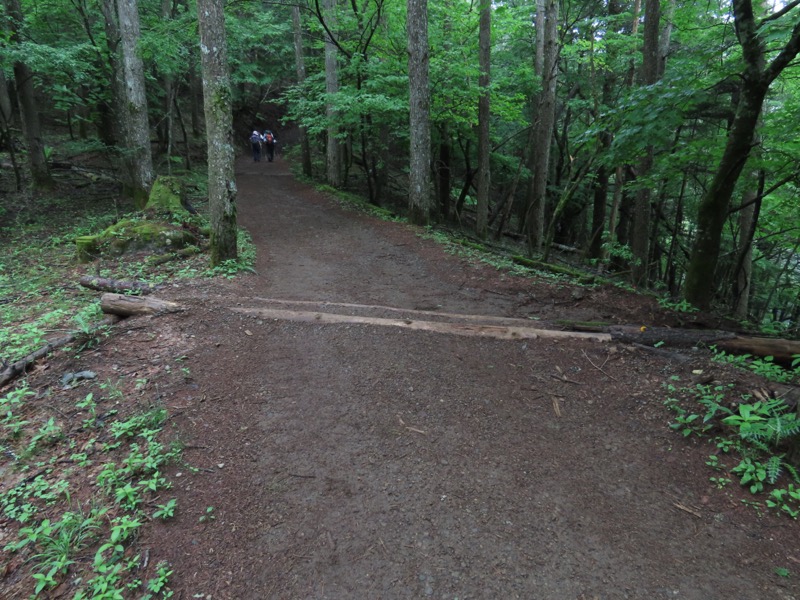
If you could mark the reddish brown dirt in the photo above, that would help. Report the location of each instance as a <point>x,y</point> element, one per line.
<point>363,461</point>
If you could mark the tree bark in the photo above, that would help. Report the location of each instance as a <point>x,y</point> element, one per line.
<point>217,99</point>
<point>419,184</point>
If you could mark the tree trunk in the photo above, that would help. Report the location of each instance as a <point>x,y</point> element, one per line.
<point>640,240</point>
<point>547,68</point>
<point>300,68</point>
<point>713,210</point>
<point>419,184</point>
<point>743,270</point>
<point>443,172</point>
<point>28,108</point>
<point>484,117</point>
<point>6,139</point>
<point>217,100</point>
<point>333,150</point>
<point>134,115</point>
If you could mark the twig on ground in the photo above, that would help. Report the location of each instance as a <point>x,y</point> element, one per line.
<point>598,368</point>
<point>680,506</point>
<point>556,407</point>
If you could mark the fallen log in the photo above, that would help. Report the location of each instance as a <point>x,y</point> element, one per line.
<point>464,329</point>
<point>19,367</point>
<point>676,338</point>
<point>103,284</point>
<point>128,306</point>
<point>782,351</point>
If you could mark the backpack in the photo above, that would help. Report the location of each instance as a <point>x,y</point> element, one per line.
<point>270,138</point>
<point>254,138</point>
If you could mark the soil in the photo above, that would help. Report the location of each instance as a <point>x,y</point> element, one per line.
<point>358,460</point>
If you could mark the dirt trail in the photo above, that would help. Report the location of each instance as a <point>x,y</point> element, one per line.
<point>353,461</point>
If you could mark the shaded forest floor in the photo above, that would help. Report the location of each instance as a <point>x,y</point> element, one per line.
<point>353,460</point>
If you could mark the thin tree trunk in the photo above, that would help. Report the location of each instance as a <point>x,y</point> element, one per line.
<point>484,116</point>
<point>547,68</point>
<point>300,68</point>
<point>333,150</point>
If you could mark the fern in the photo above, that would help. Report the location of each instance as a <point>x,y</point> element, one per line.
<point>792,471</point>
<point>774,468</point>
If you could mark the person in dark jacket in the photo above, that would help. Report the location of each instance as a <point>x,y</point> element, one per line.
<point>255,142</point>
<point>269,144</point>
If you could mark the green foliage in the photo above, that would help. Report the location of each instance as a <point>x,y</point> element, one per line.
<point>681,306</point>
<point>53,529</point>
<point>756,435</point>
<point>764,367</point>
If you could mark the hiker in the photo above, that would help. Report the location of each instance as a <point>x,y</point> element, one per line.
<point>269,144</point>
<point>255,142</point>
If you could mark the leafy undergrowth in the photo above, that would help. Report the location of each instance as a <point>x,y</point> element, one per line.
<point>754,437</point>
<point>40,298</point>
<point>82,472</point>
<point>81,460</point>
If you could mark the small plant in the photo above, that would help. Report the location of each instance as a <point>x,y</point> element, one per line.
<point>682,306</point>
<point>753,474</point>
<point>786,500</point>
<point>166,511</point>
<point>208,516</point>
<point>720,482</point>
<point>782,572</point>
<point>158,584</point>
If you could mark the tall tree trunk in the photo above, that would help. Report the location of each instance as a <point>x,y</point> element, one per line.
<point>134,115</point>
<point>420,187</point>
<point>219,129</point>
<point>300,68</point>
<point>484,117</point>
<point>712,212</point>
<point>547,68</point>
<point>640,240</point>
<point>333,149</point>
<point>28,108</point>
<point>132,128</point>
